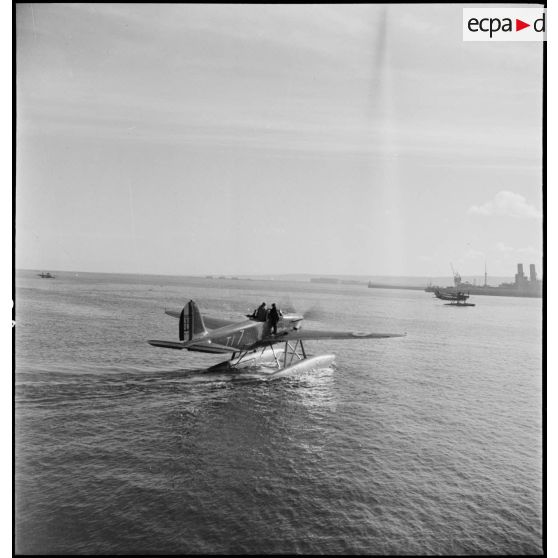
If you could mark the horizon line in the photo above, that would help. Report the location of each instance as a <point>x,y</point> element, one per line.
<point>242,275</point>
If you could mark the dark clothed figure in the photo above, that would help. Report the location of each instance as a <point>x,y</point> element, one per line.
<point>273,316</point>
<point>261,313</point>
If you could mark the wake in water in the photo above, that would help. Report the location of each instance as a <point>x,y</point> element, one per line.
<point>260,373</point>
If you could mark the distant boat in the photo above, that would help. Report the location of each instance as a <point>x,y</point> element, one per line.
<point>522,287</point>
<point>455,299</point>
<point>46,275</point>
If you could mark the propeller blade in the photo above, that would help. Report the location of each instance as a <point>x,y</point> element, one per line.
<point>316,314</point>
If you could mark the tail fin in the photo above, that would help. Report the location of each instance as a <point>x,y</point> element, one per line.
<point>192,322</point>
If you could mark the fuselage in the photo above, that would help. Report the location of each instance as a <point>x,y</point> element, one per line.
<point>250,333</point>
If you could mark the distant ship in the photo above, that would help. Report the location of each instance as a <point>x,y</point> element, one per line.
<point>46,275</point>
<point>522,286</point>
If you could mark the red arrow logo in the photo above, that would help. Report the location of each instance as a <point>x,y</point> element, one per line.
<point>519,25</point>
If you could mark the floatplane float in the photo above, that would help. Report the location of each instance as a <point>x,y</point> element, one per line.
<point>251,343</point>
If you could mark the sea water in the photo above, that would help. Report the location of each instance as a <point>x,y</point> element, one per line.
<point>427,444</point>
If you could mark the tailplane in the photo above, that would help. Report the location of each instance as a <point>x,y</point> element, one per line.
<point>191,321</point>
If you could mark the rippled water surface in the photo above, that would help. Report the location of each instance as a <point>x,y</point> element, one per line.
<point>426,444</point>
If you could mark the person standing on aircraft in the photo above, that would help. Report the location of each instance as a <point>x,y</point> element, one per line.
<point>261,313</point>
<point>273,317</point>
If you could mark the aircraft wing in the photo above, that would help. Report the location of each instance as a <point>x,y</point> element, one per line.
<point>316,335</point>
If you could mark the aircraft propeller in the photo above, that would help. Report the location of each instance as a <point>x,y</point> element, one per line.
<point>312,313</point>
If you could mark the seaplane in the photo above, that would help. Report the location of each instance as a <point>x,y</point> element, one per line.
<point>46,275</point>
<point>252,342</point>
<point>455,298</point>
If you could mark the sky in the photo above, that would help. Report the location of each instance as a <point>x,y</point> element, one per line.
<point>236,139</point>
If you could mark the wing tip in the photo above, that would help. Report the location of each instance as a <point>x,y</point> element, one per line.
<point>367,335</point>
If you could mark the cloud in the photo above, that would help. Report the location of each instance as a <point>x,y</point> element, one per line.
<point>472,253</point>
<point>527,251</point>
<point>506,204</point>
<point>501,247</point>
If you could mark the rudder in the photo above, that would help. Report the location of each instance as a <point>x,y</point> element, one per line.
<point>192,322</point>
